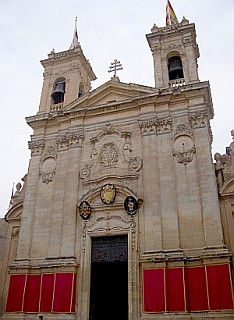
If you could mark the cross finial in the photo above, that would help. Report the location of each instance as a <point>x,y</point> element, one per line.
<point>116,65</point>
<point>232,134</point>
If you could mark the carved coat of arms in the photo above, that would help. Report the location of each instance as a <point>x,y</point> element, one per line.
<point>84,210</point>
<point>109,155</point>
<point>108,193</point>
<point>131,205</point>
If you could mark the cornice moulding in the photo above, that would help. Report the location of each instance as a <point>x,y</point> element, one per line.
<point>191,90</point>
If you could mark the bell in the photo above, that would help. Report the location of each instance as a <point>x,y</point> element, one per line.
<point>175,68</point>
<point>58,94</point>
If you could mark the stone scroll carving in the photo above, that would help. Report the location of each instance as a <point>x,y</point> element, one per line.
<point>111,153</point>
<point>183,144</point>
<point>48,165</point>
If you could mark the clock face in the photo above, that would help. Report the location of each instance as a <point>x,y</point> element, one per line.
<point>183,144</point>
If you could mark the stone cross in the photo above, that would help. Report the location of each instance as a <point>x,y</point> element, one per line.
<point>116,65</point>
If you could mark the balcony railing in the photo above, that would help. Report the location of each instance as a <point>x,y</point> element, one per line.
<point>177,83</point>
<point>56,107</point>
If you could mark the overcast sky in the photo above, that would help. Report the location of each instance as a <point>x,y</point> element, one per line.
<point>108,30</point>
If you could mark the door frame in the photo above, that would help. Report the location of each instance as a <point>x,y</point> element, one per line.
<point>111,264</point>
<point>117,224</point>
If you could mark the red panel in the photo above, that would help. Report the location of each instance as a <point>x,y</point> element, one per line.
<point>32,293</point>
<point>153,282</point>
<point>47,290</point>
<point>196,289</point>
<point>63,292</point>
<point>74,294</point>
<point>16,293</point>
<point>175,290</point>
<point>219,285</point>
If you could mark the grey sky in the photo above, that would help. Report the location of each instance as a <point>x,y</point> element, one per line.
<point>107,30</point>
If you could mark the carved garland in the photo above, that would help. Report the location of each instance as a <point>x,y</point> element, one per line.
<point>183,144</point>
<point>155,126</point>
<point>36,147</point>
<point>70,140</point>
<point>198,119</point>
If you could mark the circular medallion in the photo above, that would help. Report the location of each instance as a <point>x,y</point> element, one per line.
<point>108,193</point>
<point>84,210</point>
<point>131,205</point>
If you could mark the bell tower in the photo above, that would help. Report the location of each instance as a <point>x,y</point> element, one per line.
<point>67,76</point>
<point>175,53</point>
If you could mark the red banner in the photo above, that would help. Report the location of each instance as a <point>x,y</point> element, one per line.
<point>63,292</point>
<point>42,293</point>
<point>198,288</point>
<point>16,293</point>
<point>47,292</point>
<point>175,290</point>
<point>219,284</point>
<point>32,293</point>
<point>153,280</point>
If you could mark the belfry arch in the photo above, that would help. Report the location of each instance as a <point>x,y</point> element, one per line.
<point>175,66</point>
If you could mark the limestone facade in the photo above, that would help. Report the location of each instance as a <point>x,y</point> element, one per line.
<point>92,153</point>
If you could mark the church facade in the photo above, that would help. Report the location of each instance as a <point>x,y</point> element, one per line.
<point>119,216</point>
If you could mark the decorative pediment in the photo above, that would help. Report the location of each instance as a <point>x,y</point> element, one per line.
<point>228,187</point>
<point>110,92</point>
<point>15,212</point>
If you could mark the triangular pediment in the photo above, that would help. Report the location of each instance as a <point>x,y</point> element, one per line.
<point>109,92</point>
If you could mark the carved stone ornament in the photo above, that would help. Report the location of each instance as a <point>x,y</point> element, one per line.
<point>183,145</point>
<point>85,171</point>
<point>109,155</point>
<point>84,210</point>
<point>155,126</point>
<point>198,119</point>
<point>131,205</point>
<point>108,194</point>
<point>135,163</point>
<point>70,140</point>
<point>184,157</point>
<point>36,147</point>
<point>48,165</point>
<point>182,129</point>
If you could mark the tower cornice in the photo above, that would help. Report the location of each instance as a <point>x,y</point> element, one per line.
<point>65,55</point>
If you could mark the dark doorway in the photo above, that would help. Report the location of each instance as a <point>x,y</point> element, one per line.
<point>109,278</point>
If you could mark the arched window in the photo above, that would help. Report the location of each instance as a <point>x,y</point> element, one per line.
<point>175,68</point>
<point>58,91</point>
<point>81,90</point>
